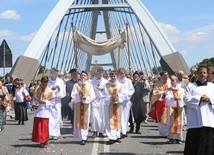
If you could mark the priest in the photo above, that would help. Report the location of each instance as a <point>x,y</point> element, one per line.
<point>114,96</point>
<point>174,100</point>
<point>159,108</point>
<point>82,95</point>
<point>199,98</point>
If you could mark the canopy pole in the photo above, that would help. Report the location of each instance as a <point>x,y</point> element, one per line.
<point>75,48</point>
<point>129,56</point>
<point>118,61</point>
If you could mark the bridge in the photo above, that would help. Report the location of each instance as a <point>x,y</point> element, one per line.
<point>18,141</point>
<point>117,33</point>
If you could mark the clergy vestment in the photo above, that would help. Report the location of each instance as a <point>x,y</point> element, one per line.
<point>159,109</point>
<point>82,95</point>
<point>113,112</point>
<point>97,105</point>
<point>126,104</point>
<point>55,111</point>
<point>40,132</point>
<point>175,113</point>
<point>200,119</point>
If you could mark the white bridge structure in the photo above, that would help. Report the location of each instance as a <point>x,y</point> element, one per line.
<point>145,46</point>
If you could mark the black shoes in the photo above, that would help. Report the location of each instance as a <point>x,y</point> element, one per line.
<point>94,135</point>
<point>20,123</point>
<point>124,135</point>
<point>43,145</point>
<point>110,142</point>
<point>113,141</point>
<point>101,135</point>
<point>138,132</point>
<point>131,130</point>
<point>178,141</point>
<point>175,141</point>
<point>83,142</point>
<point>117,141</point>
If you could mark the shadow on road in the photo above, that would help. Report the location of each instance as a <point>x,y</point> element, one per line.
<point>25,145</point>
<point>175,152</point>
<point>150,137</point>
<point>156,143</point>
<point>124,153</point>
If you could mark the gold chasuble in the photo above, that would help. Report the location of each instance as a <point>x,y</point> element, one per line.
<point>115,107</point>
<point>43,95</point>
<point>159,109</point>
<point>176,113</point>
<point>82,108</point>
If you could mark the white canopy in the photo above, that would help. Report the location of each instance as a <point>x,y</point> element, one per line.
<point>99,48</point>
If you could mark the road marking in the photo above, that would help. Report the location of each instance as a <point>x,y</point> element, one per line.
<point>106,147</point>
<point>95,146</point>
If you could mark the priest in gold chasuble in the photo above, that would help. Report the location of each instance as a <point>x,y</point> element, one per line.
<point>158,105</point>
<point>82,95</point>
<point>174,99</point>
<point>114,96</point>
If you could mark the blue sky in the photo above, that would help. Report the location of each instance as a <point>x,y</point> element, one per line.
<point>189,24</point>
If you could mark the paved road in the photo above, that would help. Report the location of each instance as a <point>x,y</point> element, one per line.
<point>16,139</point>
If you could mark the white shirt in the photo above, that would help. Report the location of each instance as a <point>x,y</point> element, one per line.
<point>19,96</point>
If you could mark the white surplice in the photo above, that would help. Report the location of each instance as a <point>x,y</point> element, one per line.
<point>199,113</point>
<point>55,111</point>
<point>97,106</point>
<point>128,91</point>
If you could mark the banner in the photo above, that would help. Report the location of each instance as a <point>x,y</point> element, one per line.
<point>92,47</point>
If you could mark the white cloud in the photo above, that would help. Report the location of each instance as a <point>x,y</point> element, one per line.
<point>6,33</point>
<point>28,37</point>
<point>10,14</point>
<point>193,36</point>
<point>171,32</point>
<point>199,36</point>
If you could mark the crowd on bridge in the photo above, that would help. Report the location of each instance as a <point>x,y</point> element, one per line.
<point>114,104</point>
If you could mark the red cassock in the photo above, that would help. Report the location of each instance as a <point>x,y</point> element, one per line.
<point>40,130</point>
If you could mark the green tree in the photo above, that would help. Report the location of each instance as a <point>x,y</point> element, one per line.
<point>41,69</point>
<point>156,70</point>
<point>205,63</point>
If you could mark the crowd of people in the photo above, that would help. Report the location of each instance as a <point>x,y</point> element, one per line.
<point>115,103</point>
